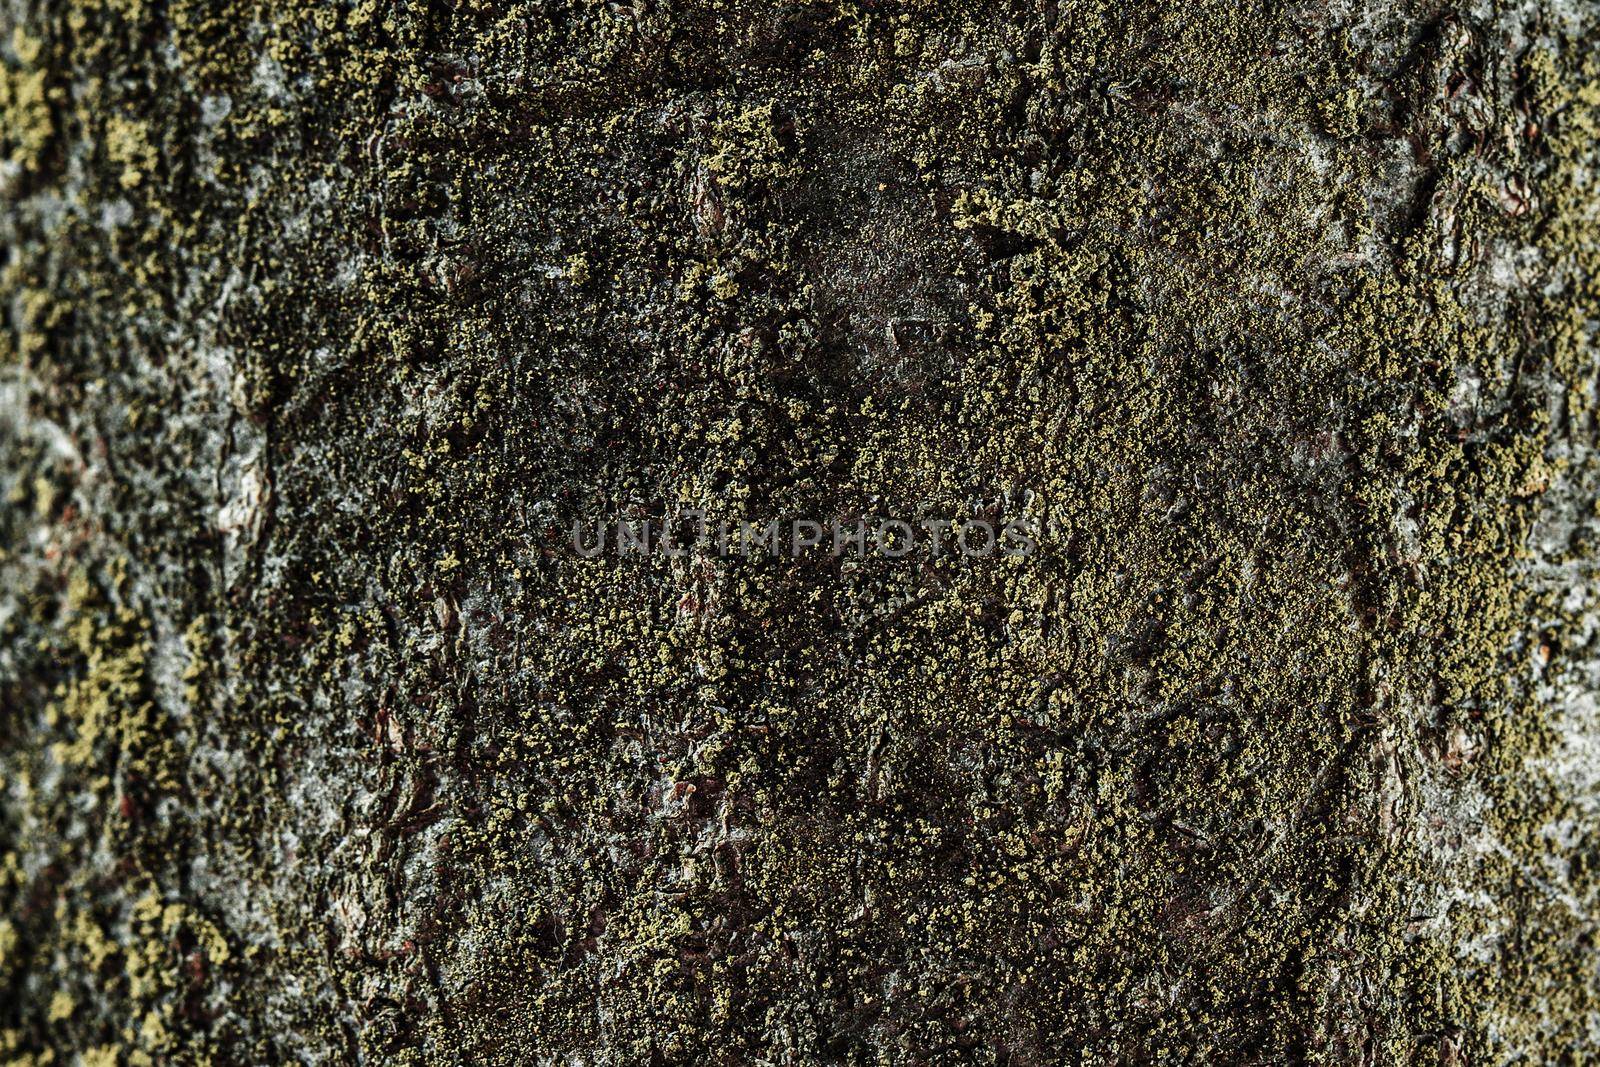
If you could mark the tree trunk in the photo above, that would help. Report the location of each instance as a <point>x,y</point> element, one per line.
<point>324,325</point>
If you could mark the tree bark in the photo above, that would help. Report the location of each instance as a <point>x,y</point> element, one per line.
<point>325,323</point>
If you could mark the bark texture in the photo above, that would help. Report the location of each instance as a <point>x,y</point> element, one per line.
<point>322,323</point>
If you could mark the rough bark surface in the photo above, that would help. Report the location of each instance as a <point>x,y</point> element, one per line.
<point>319,742</point>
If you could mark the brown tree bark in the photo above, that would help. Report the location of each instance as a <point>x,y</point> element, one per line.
<point>324,323</point>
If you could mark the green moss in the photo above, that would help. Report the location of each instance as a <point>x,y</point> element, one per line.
<point>1221,316</point>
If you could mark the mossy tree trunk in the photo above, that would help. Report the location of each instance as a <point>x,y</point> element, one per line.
<point>323,323</point>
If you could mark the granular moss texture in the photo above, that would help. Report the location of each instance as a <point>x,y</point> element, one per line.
<point>321,322</point>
